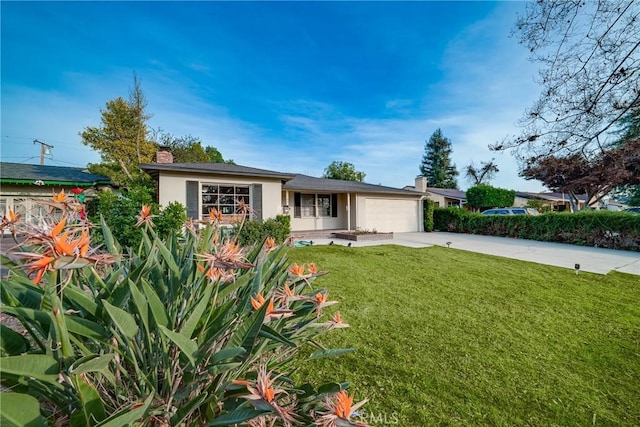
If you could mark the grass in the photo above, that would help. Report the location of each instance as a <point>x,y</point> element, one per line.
<point>448,337</point>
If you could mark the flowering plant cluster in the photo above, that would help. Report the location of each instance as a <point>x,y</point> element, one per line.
<point>191,331</point>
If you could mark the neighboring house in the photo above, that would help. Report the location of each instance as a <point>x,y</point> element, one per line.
<point>21,185</point>
<point>443,197</point>
<point>556,201</point>
<point>312,203</point>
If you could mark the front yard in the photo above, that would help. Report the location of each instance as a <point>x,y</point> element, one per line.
<point>447,337</point>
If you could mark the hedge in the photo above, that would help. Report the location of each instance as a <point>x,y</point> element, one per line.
<point>605,229</point>
<point>485,196</point>
<point>428,208</point>
<point>253,232</point>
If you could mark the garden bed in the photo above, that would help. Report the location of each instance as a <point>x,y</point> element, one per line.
<point>355,236</point>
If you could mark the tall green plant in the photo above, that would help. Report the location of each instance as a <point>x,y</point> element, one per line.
<point>171,332</point>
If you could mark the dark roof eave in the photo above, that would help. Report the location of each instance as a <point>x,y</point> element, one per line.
<point>154,169</point>
<point>54,182</point>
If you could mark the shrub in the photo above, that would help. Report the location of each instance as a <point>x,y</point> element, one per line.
<point>252,232</point>
<point>193,332</point>
<point>449,219</point>
<point>485,196</point>
<point>607,229</point>
<point>428,208</point>
<point>120,209</point>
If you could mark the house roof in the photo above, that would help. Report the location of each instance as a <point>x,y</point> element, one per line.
<point>213,168</point>
<point>19,173</point>
<point>549,196</point>
<point>310,183</point>
<point>448,192</point>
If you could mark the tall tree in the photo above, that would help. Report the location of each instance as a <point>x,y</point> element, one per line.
<point>343,170</point>
<point>589,54</point>
<point>436,163</point>
<point>482,174</point>
<point>122,139</point>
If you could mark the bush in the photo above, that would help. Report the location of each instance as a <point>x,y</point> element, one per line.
<point>607,229</point>
<point>449,219</point>
<point>485,196</point>
<point>428,208</point>
<point>120,210</point>
<point>253,232</point>
<point>198,331</point>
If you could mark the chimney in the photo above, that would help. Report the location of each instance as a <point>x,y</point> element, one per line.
<point>164,155</point>
<point>421,184</point>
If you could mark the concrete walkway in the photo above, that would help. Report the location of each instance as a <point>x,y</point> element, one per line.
<point>594,260</point>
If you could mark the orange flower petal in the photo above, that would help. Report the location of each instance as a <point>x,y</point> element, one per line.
<point>58,228</point>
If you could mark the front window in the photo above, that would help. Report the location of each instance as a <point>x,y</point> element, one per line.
<point>308,204</point>
<point>224,197</point>
<point>315,205</point>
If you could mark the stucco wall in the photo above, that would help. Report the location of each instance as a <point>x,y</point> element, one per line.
<point>319,223</point>
<point>173,187</point>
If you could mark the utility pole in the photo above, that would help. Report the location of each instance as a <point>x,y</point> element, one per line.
<point>44,149</point>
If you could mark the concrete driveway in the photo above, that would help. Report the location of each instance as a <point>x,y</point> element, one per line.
<point>594,260</point>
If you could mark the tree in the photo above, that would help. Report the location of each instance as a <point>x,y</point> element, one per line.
<point>122,139</point>
<point>630,131</point>
<point>343,170</point>
<point>595,176</point>
<point>590,76</point>
<point>188,149</point>
<point>486,196</point>
<point>483,174</point>
<point>436,163</point>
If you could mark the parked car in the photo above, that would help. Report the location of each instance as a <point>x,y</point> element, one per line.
<point>633,210</point>
<point>511,211</point>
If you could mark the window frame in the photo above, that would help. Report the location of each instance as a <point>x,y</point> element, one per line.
<point>224,197</point>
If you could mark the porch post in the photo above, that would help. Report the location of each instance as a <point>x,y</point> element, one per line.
<point>349,211</point>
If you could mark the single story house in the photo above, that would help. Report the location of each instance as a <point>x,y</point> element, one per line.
<point>314,204</point>
<point>443,197</point>
<point>556,201</point>
<point>22,184</point>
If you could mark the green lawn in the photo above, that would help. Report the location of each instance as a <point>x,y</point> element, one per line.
<point>448,337</point>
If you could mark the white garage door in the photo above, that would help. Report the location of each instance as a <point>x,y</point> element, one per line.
<point>398,215</point>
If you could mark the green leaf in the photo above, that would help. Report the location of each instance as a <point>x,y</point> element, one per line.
<point>26,293</point>
<point>168,257</point>
<point>85,327</point>
<point>237,416</point>
<point>187,408</point>
<point>196,314</point>
<point>11,342</point>
<point>91,406</point>
<point>141,304</point>
<point>91,363</point>
<point>227,353</point>
<point>268,332</point>
<point>38,366</point>
<point>37,317</point>
<point>330,388</point>
<point>189,348</point>
<point>109,241</point>
<point>332,352</point>
<point>156,305</point>
<point>245,336</point>
<point>19,409</point>
<point>123,320</point>
<point>127,416</point>
<point>223,367</point>
<point>59,322</point>
<point>81,299</point>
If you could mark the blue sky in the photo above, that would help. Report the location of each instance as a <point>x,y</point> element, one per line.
<point>288,86</point>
